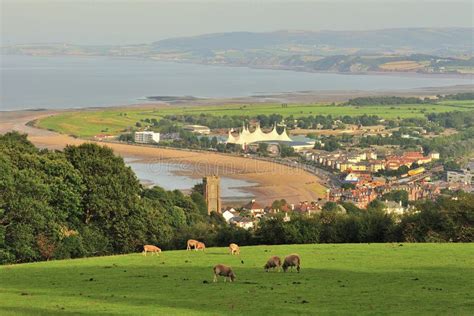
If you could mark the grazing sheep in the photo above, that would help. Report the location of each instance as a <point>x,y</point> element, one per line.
<point>234,249</point>
<point>224,271</point>
<point>152,249</point>
<point>200,246</point>
<point>191,244</point>
<point>273,263</point>
<point>292,261</point>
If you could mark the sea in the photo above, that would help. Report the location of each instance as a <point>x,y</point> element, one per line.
<point>62,82</point>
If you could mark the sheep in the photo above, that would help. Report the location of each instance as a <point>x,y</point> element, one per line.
<point>272,263</point>
<point>224,271</point>
<point>191,244</point>
<point>292,261</point>
<point>234,249</point>
<point>152,249</point>
<point>200,246</point>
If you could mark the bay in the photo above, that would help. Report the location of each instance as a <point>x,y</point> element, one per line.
<point>29,82</point>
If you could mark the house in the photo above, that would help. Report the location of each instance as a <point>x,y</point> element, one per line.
<point>101,137</point>
<point>361,197</point>
<point>434,155</point>
<point>464,176</point>
<point>229,214</point>
<point>242,222</point>
<point>393,207</point>
<point>147,137</point>
<point>254,208</point>
<point>307,208</point>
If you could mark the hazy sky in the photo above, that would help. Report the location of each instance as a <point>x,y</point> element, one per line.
<point>132,21</point>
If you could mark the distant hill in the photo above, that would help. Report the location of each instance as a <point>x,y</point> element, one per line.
<point>426,40</point>
<point>424,50</point>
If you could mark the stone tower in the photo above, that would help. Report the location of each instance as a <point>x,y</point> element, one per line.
<point>212,193</point>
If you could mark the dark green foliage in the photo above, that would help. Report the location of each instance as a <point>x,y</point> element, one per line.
<point>83,202</point>
<point>397,196</point>
<point>386,100</point>
<point>128,137</point>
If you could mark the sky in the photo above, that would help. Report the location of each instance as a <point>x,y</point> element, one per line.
<point>138,21</point>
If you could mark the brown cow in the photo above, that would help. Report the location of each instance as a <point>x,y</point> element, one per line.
<point>152,249</point>
<point>292,261</point>
<point>224,271</point>
<point>200,246</point>
<point>273,263</point>
<point>192,244</point>
<point>234,249</point>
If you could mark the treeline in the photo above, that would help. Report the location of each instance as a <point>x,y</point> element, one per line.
<point>459,96</point>
<point>268,121</point>
<point>387,100</point>
<point>393,100</point>
<point>456,119</point>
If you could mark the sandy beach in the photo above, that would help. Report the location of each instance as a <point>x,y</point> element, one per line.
<point>274,181</point>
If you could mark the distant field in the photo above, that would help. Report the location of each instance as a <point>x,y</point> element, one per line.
<point>112,121</point>
<point>404,65</point>
<point>375,279</point>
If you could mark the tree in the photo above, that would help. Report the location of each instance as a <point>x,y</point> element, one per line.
<point>330,207</point>
<point>397,196</point>
<point>263,149</point>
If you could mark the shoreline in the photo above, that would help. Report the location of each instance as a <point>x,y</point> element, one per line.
<point>263,67</point>
<point>308,96</point>
<point>273,180</point>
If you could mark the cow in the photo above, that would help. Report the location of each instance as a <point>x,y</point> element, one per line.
<point>200,246</point>
<point>292,261</point>
<point>225,271</point>
<point>152,249</point>
<point>234,249</point>
<point>273,263</point>
<point>192,244</point>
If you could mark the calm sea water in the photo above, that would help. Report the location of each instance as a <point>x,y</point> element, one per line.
<point>69,82</point>
<point>179,176</point>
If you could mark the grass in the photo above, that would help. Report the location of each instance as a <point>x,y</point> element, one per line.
<point>335,279</point>
<point>111,121</point>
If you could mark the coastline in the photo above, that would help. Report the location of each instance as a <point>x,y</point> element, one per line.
<point>274,181</point>
<point>306,96</point>
<point>266,67</point>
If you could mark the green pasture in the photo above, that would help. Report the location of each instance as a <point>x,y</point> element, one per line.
<point>344,279</point>
<point>88,123</point>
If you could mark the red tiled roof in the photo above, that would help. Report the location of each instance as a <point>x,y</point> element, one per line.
<point>253,205</point>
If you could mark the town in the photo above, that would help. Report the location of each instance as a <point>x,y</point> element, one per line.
<point>358,159</point>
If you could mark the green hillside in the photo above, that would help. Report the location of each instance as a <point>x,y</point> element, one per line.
<point>335,279</point>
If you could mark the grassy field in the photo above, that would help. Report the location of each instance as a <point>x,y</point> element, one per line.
<point>346,279</point>
<point>113,121</point>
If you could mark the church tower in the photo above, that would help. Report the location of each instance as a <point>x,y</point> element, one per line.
<point>212,193</point>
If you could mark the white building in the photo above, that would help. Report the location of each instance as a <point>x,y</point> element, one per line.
<point>246,137</point>
<point>393,207</point>
<point>242,222</point>
<point>147,137</point>
<point>229,214</point>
